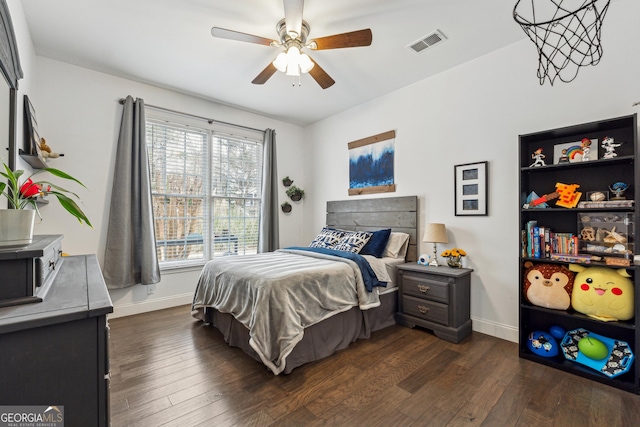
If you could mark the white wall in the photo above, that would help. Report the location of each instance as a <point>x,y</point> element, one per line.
<point>472,113</point>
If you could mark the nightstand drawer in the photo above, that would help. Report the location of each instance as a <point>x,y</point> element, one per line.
<point>422,286</point>
<point>427,310</point>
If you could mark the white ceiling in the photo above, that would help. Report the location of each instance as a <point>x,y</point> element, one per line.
<point>168,43</point>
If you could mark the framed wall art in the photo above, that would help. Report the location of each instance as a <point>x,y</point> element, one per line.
<point>578,151</point>
<point>371,163</point>
<point>471,193</point>
<point>32,137</point>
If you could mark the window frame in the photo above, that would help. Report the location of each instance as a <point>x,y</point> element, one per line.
<point>212,129</point>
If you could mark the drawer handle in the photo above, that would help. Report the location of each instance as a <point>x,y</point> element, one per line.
<point>423,309</point>
<point>424,289</point>
<point>52,265</point>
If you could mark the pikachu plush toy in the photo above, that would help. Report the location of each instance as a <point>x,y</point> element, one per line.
<point>603,293</point>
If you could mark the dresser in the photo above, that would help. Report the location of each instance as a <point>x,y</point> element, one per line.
<point>55,352</point>
<point>435,298</point>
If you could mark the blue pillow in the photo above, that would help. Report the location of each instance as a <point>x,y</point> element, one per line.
<point>377,243</point>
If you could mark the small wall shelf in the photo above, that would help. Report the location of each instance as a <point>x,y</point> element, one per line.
<point>34,161</point>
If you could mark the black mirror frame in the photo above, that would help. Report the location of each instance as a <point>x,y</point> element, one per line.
<point>12,71</point>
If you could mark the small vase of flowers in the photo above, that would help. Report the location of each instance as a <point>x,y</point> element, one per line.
<point>454,257</point>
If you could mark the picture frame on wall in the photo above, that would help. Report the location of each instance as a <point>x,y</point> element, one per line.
<point>32,137</point>
<point>471,192</point>
<point>577,151</point>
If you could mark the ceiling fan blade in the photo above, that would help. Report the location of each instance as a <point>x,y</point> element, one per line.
<point>293,16</point>
<point>265,75</point>
<point>241,37</point>
<point>319,75</point>
<point>337,41</point>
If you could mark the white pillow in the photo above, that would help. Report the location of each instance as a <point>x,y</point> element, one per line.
<point>397,245</point>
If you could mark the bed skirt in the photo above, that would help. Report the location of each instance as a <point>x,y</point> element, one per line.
<point>320,340</point>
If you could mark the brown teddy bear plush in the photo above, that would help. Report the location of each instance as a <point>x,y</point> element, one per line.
<point>45,150</point>
<point>548,285</point>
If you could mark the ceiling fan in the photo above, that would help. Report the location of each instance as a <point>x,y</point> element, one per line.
<point>293,32</point>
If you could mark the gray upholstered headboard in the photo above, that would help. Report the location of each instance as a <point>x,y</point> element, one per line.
<point>397,213</point>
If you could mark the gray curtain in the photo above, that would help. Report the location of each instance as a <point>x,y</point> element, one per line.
<point>130,256</point>
<point>268,238</point>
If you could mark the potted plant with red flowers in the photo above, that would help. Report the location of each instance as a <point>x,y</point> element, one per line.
<point>16,225</point>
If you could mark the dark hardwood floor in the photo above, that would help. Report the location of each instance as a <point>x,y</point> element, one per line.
<point>170,370</point>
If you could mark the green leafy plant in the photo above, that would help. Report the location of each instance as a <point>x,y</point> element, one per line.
<point>22,195</point>
<point>295,193</point>
<point>286,207</point>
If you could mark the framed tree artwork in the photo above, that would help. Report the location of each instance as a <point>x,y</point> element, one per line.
<point>371,164</point>
<point>471,193</point>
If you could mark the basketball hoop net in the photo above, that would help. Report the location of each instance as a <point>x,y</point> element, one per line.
<point>566,33</point>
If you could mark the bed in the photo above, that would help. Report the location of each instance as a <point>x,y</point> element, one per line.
<point>243,297</point>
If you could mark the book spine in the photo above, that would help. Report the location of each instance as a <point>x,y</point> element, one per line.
<point>547,242</point>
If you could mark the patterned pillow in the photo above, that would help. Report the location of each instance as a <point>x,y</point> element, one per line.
<point>327,238</point>
<point>353,241</point>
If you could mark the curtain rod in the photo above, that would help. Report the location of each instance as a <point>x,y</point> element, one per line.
<point>210,121</point>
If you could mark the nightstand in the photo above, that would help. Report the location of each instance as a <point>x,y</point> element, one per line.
<point>435,298</point>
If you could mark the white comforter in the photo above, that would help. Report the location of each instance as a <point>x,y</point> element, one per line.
<point>278,294</point>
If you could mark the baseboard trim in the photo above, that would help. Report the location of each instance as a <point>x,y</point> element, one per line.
<point>498,330</point>
<point>131,309</point>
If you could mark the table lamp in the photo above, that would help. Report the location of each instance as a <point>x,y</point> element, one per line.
<point>435,233</point>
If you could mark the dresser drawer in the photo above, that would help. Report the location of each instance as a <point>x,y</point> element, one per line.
<point>427,310</point>
<point>422,286</point>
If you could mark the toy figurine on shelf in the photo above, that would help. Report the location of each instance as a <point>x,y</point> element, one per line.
<point>566,196</point>
<point>564,157</point>
<point>618,189</point>
<point>609,147</point>
<point>585,144</point>
<point>535,201</point>
<point>538,158</point>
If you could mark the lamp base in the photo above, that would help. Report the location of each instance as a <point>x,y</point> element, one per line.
<point>434,260</point>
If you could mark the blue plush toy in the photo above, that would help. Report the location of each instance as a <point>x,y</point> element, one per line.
<point>424,259</point>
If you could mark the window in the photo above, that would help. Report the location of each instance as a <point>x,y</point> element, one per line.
<point>205,184</point>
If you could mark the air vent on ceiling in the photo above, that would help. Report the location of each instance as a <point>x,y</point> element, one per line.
<point>429,40</point>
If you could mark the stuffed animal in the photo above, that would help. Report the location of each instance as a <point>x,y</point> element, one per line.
<point>45,150</point>
<point>548,285</point>
<point>603,293</point>
<point>424,259</point>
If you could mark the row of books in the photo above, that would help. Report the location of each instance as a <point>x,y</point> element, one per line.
<point>542,242</point>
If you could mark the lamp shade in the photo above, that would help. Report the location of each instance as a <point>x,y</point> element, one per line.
<point>281,62</point>
<point>435,233</point>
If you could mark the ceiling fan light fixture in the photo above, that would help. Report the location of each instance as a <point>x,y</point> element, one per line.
<point>281,62</point>
<point>293,57</point>
<point>293,70</point>
<point>306,64</point>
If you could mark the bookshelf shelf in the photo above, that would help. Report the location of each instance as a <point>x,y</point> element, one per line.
<point>595,175</point>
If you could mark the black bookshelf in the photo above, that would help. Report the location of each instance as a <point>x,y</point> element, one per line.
<point>597,174</point>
